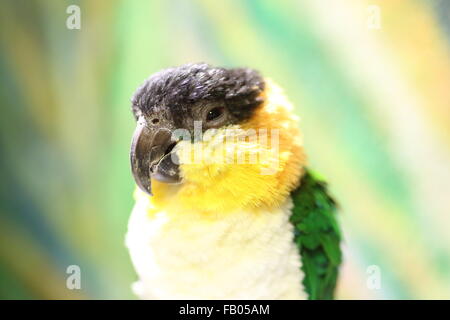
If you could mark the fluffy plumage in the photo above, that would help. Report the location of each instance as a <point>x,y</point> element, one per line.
<point>256,229</point>
<point>243,255</point>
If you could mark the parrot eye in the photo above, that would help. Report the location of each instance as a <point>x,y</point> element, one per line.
<point>215,113</point>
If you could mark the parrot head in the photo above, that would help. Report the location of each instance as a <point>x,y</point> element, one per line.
<point>207,135</point>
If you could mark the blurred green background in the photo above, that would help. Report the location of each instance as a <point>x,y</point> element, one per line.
<point>374,103</point>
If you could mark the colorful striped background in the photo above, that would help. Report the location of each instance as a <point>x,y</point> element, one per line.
<point>374,103</point>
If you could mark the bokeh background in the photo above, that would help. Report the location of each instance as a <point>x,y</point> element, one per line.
<point>374,103</point>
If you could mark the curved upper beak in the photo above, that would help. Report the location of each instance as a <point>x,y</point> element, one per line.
<point>151,156</point>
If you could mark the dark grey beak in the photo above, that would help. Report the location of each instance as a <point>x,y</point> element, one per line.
<point>152,158</point>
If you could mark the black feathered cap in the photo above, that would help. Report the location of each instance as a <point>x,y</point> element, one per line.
<point>176,90</point>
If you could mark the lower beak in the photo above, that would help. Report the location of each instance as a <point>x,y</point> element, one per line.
<point>152,157</point>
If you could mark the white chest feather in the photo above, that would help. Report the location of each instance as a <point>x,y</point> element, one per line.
<point>241,256</point>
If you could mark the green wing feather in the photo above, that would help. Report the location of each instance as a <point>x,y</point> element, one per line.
<point>317,236</point>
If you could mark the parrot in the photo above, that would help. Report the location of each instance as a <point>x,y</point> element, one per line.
<point>226,206</point>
